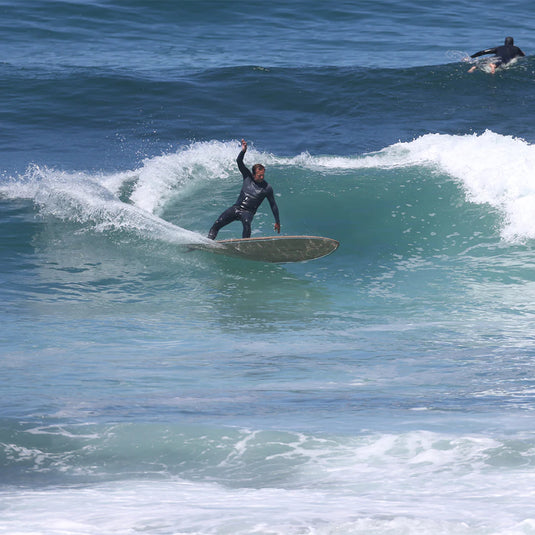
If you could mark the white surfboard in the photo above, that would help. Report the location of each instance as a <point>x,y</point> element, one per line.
<point>277,249</point>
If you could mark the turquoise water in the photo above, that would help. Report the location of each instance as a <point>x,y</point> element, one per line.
<point>386,388</point>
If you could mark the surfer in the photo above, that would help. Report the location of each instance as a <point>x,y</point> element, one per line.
<point>504,54</point>
<point>254,190</point>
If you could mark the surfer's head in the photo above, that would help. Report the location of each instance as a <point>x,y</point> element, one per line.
<point>509,41</point>
<point>258,172</point>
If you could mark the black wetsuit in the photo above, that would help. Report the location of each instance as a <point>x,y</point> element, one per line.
<point>250,198</point>
<point>504,54</point>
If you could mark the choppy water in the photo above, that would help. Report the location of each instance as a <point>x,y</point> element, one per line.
<point>387,388</point>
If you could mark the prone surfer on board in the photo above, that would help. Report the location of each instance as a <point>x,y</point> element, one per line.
<point>254,190</point>
<point>504,55</point>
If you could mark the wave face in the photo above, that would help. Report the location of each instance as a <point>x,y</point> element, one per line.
<point>400,185</point>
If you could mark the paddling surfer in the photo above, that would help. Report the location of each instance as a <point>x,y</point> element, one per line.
<point>503,55</point>
<point>254,190</point>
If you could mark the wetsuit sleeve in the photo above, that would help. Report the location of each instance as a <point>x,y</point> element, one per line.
<point>274,208</point>
<point>484,52</point>
<point>241,166</point>
<point>520,53</point>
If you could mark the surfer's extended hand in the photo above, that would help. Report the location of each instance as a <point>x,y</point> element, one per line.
<point>244,145</point>
<point>277,227</point>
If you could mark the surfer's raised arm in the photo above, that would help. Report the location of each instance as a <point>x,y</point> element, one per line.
<point>239,160</point>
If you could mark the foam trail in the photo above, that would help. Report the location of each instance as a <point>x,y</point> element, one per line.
<point>84,200</point>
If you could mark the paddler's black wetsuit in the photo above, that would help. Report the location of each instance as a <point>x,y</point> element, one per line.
<point>251,196</point>
<point>504,54</point>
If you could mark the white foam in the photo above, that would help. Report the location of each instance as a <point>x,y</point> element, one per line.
<point>205,508</point>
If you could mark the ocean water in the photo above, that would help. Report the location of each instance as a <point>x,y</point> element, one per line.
<point>388,388</point>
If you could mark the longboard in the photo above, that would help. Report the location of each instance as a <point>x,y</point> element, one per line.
<point>277,249</point>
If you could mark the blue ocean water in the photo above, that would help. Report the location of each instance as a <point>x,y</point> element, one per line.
<point>387,388</point>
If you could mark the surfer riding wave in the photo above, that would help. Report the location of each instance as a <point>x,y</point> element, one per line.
<point>253,192</point>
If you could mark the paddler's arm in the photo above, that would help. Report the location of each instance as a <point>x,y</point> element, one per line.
<point>484,52</point>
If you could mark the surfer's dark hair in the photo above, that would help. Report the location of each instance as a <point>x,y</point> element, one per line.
<point>256,167</point>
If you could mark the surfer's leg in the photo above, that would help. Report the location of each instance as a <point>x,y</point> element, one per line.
<point>228,216</point>
<point>246,219</point>
<point>497,62</point>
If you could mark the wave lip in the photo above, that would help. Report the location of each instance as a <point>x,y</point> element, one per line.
<point>493,169</point>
